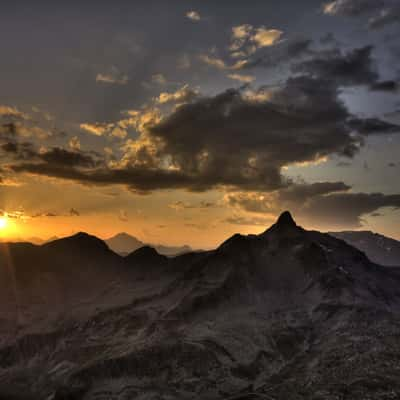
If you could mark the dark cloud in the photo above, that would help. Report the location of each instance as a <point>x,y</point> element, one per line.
<point>383,12</point>
<point>235,139</point>
<point>346,69</point>
<point>294,196</point>
<point>329,204</point>
<point>301,193</point>
<point>352,7</point>
<point>385,86</point>
<point>19,150</point>
<point>343,164</point>
<point>8,129</point>
<point>65,158</point>
<point>45,214</point>
<point>387,15</point>
<point>328,38</point>
<point>55,156</point>
<point>347,209</point>
<point>370,126</point>
<point>140,180</point>
<point>284,52</point>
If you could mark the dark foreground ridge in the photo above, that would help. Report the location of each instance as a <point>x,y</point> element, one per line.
<point>287,314</point>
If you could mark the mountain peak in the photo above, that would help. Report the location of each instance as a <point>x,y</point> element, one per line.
<point>80,239</point>
<point>284,224</point>
<point>286,219</point>
<point>145,254</point>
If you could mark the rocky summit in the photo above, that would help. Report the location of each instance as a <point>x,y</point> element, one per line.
<point>287,314</point>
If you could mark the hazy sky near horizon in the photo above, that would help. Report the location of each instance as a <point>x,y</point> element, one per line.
<point>186,121</point>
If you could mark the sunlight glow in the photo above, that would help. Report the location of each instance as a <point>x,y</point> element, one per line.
<point>3,222</point>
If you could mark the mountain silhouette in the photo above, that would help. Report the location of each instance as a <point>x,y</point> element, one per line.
<point>287,314</point>
<point>123,244</point>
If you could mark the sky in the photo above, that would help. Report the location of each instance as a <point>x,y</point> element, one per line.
<point>183,122</point>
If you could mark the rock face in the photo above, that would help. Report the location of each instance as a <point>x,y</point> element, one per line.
<point>379,249</point>
<point>287,314</point>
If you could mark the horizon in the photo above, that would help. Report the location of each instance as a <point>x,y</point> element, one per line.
<point>40,241</point>
<point>109,125</point>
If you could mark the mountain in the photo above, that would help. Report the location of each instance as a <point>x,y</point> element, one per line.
<point>287,314</point>
<point>41,284</point>
<point>123,244</point>
<point>380,249</point>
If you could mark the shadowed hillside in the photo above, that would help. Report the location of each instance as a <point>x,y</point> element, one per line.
<point>287,314</point>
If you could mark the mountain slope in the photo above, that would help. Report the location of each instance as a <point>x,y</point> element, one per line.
<point>380,249</point>
<point>288,314</point>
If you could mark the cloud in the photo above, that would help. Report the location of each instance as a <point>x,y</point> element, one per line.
<point>242,78</point>
<point>351,7</point>
<point>24,129</point>
<point>274,202</point>
<point>184,62</point>
<point>123,215</point>
<point>247,39</point>
<point>66,158</point>
<point>193,16</point>
<point>343,164</point>
<point>74,212</point>
<point>96,129</point>
<point>113,76</point>
<point>74,143</point>
<point>385,86</point>
<point>220,64</point>
<point>181,205</point>
<point>249,221</point>
<point>330,204</point>
<point>347,209</point>
<point>372,126</point>
<point>328,38</point>
<point>21,150</point>
<point>159,79</point>
<point>385,17</point>
<point>264,37</point>
<point>182,95</point>
<point>355,67</point>
<point>55,156</point>
<point>386,12</point>
<point>283,52</point>
<point>7,111</point>
<point>116,130</point>
<point>241,32</point>
<point>230,141</point>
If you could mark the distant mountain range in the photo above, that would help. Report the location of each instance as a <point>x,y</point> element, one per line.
<point>287,314</point>
<point>378,248</point>
<point>123,244</point>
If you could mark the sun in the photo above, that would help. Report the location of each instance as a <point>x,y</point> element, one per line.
<point>3,223</point>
